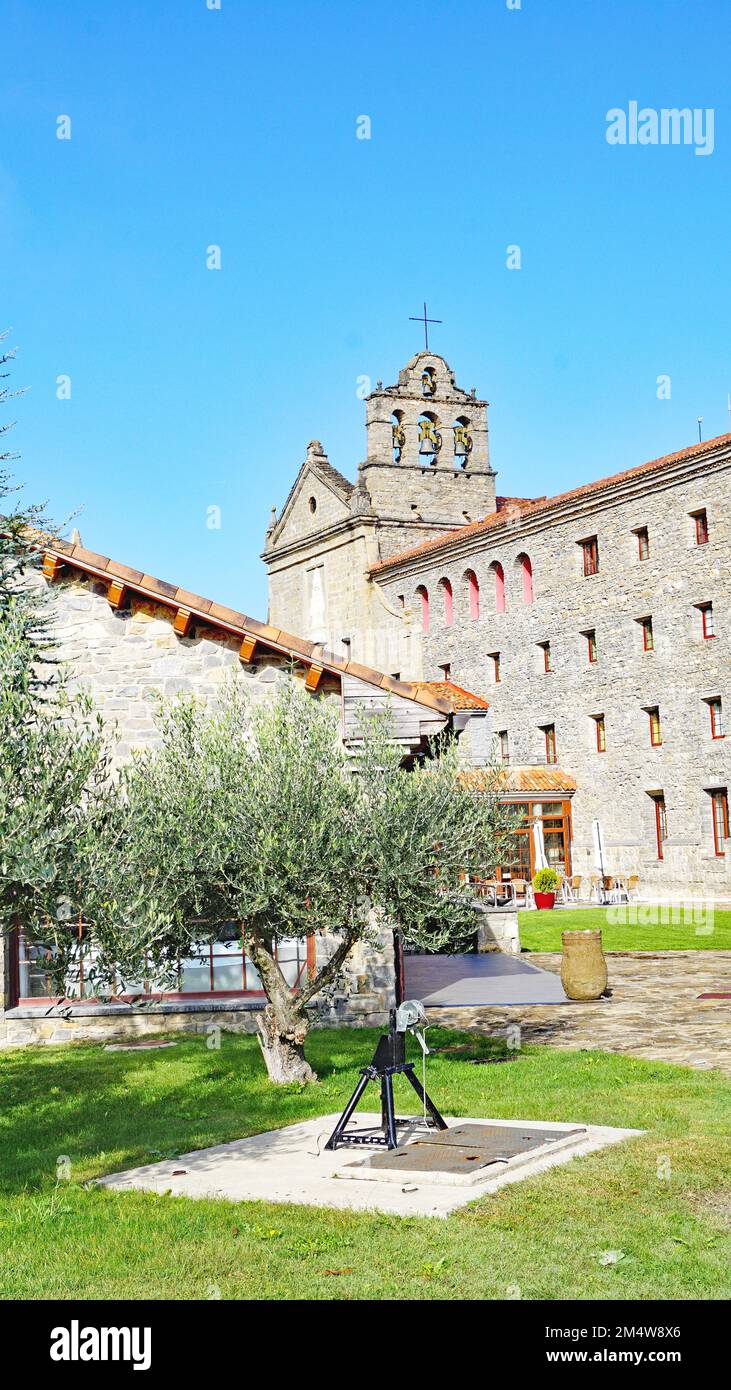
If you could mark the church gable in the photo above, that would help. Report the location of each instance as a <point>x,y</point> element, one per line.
<point>319,498</point>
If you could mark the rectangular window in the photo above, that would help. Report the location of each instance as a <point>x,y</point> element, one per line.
<point>494,657</point>
<point>661,823</point>
<point>719,802</point>
<point>504,746</point>
<point>716,709</point>
<point>648,637</point>
<point>601,733</point>
<point>220,966</point>
<point>643,542</point>
<point>591,645</point>
<point>545,648</point>
<point>590,555</point>
<point>700,520</point>
<point>708,625</point>
<point>655,729</point>
<point>550,735</point>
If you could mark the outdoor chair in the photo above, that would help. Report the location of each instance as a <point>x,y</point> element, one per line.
<point>522,893</point>
<point>570,889</point>
<point>596,889</point>
<point>633,888</point>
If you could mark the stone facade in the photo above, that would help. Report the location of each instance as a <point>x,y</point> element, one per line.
<point>538,546</point>
<point>329,533</point>
<point>679,676</point>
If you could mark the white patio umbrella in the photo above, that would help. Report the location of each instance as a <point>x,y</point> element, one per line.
<point>539,846</point>
<point>598,837</point>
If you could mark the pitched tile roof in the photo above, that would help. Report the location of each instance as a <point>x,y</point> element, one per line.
<point>522,779</point>
<point>511,508</point>
<point>457,696</point>
<point>216,615</point>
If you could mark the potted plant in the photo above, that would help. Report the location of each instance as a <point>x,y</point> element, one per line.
<point>546,883</point>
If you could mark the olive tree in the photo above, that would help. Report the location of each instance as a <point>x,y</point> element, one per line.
<point>256,813</point>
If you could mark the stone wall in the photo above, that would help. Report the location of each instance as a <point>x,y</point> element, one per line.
<point>679,675</point>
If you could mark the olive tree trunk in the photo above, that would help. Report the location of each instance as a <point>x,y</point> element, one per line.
<point>284,1024</point>
<point>282,1044</point>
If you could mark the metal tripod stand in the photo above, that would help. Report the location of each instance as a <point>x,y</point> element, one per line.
<point>389,1059</point>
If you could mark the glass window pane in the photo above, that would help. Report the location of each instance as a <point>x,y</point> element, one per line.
<point>195,975</point>
<point>253,979</point>
<point>228,974</point>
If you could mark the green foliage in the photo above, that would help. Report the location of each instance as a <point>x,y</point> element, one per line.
<point>546,881</point>
<point>52,752</point>
<point>256,813</point>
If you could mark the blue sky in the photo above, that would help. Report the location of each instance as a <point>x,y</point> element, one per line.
<point>193,388</point>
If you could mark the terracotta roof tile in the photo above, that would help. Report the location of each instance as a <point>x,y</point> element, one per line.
<point>170,595</point>
<point>523,779</point>
<point>458,698</point>
<point>517,507</point>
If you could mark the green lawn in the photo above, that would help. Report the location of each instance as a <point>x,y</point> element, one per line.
<point>663,1201</point>
<point>541,931</point>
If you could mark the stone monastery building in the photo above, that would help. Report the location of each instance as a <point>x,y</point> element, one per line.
<point>582,640</point>
<point>595,624</point>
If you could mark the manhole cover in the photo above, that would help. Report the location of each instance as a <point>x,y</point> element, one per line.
<point>468,1148</point>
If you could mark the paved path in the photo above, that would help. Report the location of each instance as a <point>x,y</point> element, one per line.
<point>654,1011</point>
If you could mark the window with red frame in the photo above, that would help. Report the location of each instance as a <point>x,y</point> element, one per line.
<point>643,542</point>
<point>701,527</point>
<point>499,573</point>
<point>213,967</point>
<point>591,646</point>
<point>601,733</point>
<point>545,648</point>
<point>495,659</point>
<point>504,746</point>
<point>708,625</point>
<point>590,555</point>
<point>549,731</point>
<point>661,823</point>
<point>719,803</point>
<point>446,589</point>
<point>716,708</point>
<point>526,573</point>
<point>655,727</point>
<point>473,589</point>
<point>424,597</point>
<point>648,636</point>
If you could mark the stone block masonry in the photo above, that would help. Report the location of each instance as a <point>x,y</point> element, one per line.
<point>581,653</point>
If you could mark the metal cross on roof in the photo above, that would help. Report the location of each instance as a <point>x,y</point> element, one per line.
<point>422,318</point>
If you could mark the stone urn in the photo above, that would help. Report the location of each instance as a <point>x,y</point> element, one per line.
<point>583,967</point>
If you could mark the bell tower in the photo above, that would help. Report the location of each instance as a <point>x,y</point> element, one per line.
<point>428,459</point>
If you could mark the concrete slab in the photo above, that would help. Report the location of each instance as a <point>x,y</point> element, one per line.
<point>292,1165</point>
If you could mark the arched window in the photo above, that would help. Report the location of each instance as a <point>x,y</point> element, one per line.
<point>424,596</point>
<point>398,435</point>
<point>499,574</point>
<point>430,440</point>
<point>462,441</point>
<point>524,566</point>
<point>448,597</point>
<point>473,591</point>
